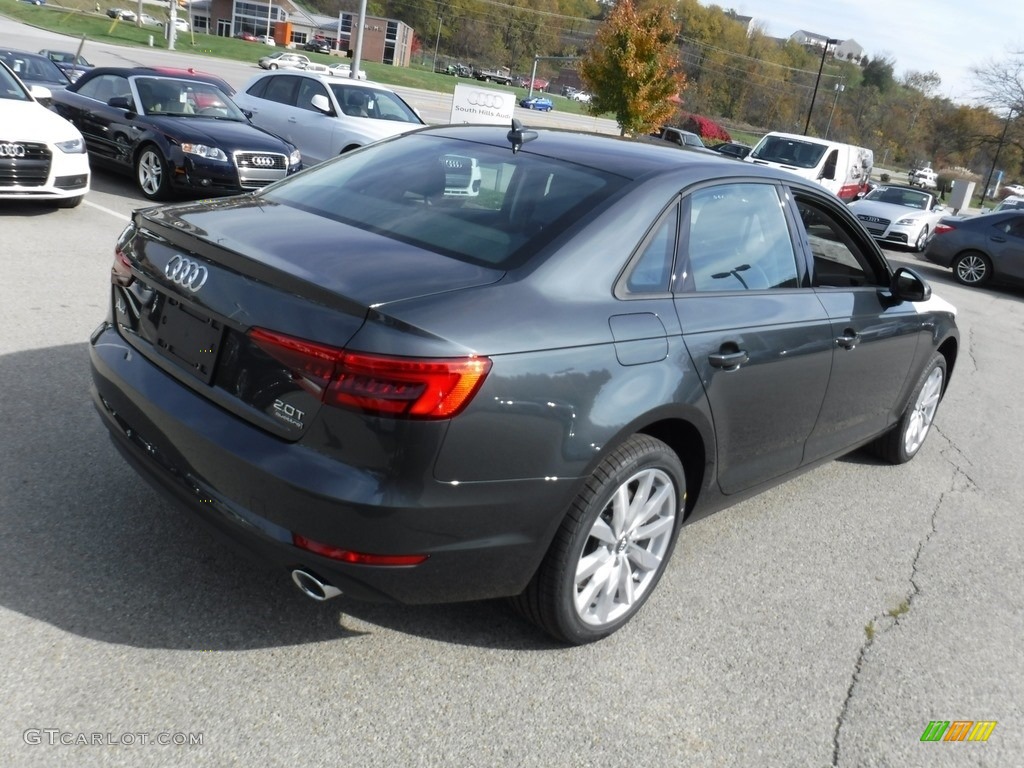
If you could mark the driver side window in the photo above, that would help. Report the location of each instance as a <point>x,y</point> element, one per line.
<point>308,90</point>
<point>839,262</point>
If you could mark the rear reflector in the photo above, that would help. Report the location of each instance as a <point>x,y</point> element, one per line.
<point>412,387</point>
<point>357,558</point>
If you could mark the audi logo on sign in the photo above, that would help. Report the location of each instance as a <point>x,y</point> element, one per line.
<point>486,99</point>
<point>263,161</point>
<point>186,273</point>
<point>12,150</point>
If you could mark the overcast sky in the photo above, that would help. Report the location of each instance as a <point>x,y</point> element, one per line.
<point>944,36</point>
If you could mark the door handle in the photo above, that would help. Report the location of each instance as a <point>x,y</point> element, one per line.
<point>728,361</point>
<point>849,339</point>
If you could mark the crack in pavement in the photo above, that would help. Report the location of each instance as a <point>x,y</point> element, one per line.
<point>884,622</point>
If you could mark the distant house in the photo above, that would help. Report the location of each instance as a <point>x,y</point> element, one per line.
<point>810,39</point>
<point>850,50</point>
<point>746,21</point>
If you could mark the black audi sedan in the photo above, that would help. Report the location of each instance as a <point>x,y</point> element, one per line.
<point>177,133</point>
<point>397,390</point>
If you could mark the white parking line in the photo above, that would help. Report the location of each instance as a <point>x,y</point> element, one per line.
<point>113,213</point>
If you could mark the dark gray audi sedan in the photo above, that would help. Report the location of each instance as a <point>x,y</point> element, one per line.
<point>473,362</point>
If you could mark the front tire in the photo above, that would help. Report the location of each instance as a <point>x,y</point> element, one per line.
<point>922,239</point>
<point>972,269</point>
<point>612,546</point>
<point>902,442</point>
<point>152,173</point>
<point>70,202</point>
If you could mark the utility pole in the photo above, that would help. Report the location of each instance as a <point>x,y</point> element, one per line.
<point>829,41</point>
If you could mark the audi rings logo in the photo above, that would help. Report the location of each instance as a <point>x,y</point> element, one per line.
<point>12,150</point>
<point>186,273</point>
<point>263,161</point>
<point>486,99</point>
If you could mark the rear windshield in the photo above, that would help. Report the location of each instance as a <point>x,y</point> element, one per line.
<point>478,203</point>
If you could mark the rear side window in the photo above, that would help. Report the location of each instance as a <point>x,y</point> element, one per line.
<point>475,202</point>
<point>282,89</point>
<point>739,240</point>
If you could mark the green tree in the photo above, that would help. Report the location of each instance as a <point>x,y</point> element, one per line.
<point>631,67</point>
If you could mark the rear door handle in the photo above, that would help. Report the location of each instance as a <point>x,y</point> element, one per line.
<point>728,361</point>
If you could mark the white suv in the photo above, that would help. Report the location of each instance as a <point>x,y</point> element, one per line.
<point>324,115</point>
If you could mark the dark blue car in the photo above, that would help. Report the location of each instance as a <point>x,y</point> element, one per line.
<point>174,133</point>
<point>537,102</point>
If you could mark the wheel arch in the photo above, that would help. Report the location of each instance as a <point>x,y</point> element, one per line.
<point>949,350</point>
<point>687,442</point>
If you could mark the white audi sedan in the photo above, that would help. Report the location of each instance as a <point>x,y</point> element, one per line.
<point>900,215</point>
<point>42,155</point>
<point>324,115</point>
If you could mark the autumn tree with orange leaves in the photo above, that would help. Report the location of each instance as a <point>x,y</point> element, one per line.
<point>632,67</point>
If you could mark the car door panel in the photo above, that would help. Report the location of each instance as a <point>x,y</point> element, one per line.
<point>1008,250</point>
<point>760,342</point>
<point>875,338</point>
<point>764,361</point>
<point>875,345</point>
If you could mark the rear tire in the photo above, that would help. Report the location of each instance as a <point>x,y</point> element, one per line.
<point>903,441</point>
<point>972,268</point>
<point>612,546</point>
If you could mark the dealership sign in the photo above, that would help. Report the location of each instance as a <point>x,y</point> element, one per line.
<point>481,105</point>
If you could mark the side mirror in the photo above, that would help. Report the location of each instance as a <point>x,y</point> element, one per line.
<point>120,102</point>
<point>907,285</point>
<point>321,104</point>
<point>40,93</point>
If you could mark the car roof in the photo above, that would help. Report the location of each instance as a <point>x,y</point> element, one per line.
<point>169,72</point>
<point>326,77</point>
<point>624,157</point>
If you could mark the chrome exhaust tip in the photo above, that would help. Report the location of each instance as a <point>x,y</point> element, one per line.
<point>313,587</point>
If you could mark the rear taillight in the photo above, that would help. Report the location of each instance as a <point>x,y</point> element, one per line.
<point>121,271</point>
<point>941,229</point>
<point>412,387</point>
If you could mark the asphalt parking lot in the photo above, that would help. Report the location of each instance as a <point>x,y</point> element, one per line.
<point>826,622</point>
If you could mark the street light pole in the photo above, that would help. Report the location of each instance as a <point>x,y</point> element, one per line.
<point>829,41</point>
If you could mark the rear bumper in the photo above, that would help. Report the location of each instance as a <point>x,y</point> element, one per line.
<point>482,539</point>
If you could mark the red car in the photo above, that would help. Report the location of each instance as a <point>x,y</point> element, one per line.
<point>247,36</point>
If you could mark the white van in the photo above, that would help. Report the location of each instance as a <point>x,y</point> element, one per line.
<point>843,169</point>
